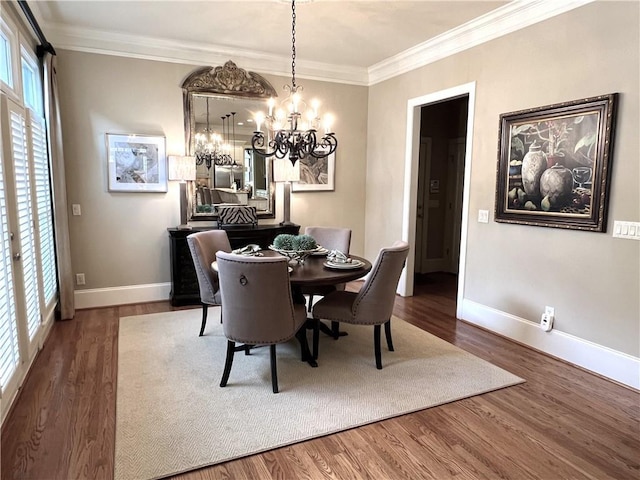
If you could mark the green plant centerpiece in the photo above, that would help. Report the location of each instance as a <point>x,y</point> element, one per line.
<point>295,247</point>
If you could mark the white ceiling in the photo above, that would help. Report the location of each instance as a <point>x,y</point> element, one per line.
<point>346,38</point>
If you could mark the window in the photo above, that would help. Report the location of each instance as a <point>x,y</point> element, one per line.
<point>43,207</point>
<point>31,85</point>
<point>25,222</point>
<point>5,60</point>
<point>9,353</point>
<point>28,286</point>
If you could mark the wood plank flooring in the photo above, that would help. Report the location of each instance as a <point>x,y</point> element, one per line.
<point>563,423</point>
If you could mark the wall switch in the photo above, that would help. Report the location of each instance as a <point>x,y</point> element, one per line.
<point>79,278</point>
<point>628,230</point>
<point>483,216</point>
<point>75,209</point>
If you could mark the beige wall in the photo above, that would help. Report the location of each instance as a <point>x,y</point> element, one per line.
<point>592,279</point>
<point>121,238</point>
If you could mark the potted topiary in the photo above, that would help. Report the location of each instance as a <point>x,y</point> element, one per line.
<point>295,247</point>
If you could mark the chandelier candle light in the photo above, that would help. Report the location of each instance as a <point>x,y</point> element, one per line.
<point>290,132</point>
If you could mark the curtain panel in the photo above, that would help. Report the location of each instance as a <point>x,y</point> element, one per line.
<point>59,187</point>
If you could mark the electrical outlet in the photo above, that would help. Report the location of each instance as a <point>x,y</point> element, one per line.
<point>546,321</point>
<point>79,278</point>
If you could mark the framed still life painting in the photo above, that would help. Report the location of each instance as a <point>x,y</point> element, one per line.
<point>136,163</point>
<point>554,164</point>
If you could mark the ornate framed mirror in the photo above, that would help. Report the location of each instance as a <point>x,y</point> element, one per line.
<point>219,103</point>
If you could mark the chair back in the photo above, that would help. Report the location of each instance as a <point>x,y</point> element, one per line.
<point>256,299</point>
<point>203,247</point>
<point>374,303</point>
<point>331,238</point>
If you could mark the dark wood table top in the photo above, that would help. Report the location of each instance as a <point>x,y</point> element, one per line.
<point>314,273</point>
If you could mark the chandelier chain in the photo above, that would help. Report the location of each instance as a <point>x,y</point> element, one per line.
<point>293,46</point>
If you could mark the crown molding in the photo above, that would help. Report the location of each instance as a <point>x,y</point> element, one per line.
<point>160,49</point>
<point>514,16</point>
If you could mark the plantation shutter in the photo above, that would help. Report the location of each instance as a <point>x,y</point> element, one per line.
<point>44,210</point>
<point>25,219</point>
<point>9,348</point>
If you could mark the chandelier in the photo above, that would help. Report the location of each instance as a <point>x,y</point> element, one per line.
<point>290,131</point>
<point>213,148</point>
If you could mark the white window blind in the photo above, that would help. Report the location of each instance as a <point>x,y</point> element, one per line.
<point>44,211</point>
<point>25,211</point>
<point>9,351</point>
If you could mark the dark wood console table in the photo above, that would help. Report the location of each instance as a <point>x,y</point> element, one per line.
<point>184,283</point>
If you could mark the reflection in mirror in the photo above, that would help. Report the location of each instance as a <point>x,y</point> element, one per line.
<point>219,107</point>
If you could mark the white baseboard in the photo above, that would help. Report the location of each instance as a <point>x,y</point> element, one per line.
<point>105,297</point>
<point>604,361</point>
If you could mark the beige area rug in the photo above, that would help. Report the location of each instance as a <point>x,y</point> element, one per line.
<point>172,416</point>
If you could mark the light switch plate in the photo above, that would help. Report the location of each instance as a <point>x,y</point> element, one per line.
<point>483,216</point>
<point>75,209</point>
<point>628,230</point>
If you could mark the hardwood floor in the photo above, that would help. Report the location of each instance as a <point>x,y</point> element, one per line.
<point>562,423</point>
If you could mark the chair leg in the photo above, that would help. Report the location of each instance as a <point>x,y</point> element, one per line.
<point>376,346</point>
<point>274,369</point>
<point>301,335</point>
<point>231,348</point>
<point>316,337</point>
<point>205,308</point>
<point>310,302</point>
<point>387,333</point>
<point>335,330</point>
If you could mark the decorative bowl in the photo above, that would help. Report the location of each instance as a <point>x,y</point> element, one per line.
<point>294,256</point>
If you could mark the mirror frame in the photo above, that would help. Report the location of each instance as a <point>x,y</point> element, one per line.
<point>228,81</point>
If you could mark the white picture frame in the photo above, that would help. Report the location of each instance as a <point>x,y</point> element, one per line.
<point>316,174</point>
<point>136,163</point>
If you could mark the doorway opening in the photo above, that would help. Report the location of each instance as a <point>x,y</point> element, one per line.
<point>449,227</point>
<point>443,130</point>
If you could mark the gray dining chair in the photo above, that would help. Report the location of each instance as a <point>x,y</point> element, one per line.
<point>258,308</point>
<point>203,247</point>
<point>373,304</point>
<point>331,238</point>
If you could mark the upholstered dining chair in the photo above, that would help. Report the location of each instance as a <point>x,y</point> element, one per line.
<point>203,247</point>
<point>331,238</point>
<point>258,308</point>
<point>373,304</point>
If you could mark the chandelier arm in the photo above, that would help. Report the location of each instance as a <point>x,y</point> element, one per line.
<point>327,145</point>
<point>259,145</point>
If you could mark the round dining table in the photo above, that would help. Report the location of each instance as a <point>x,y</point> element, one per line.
<point>314,272</point>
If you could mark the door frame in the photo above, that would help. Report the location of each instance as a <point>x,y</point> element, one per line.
<point>412,159</point>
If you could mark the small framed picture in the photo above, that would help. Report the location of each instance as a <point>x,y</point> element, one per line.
<point>316,174</point>
<point>136,163</point>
